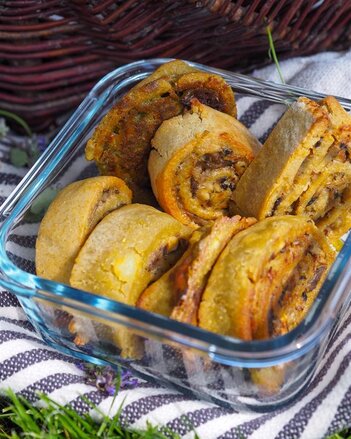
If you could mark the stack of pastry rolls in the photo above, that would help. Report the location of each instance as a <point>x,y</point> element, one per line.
<point>121,142</point>
<point>304,168</point>
<point>242,245</point>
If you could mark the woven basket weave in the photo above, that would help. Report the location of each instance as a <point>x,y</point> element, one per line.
<point>53,51</point>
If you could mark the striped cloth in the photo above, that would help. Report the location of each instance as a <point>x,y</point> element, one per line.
<point>28,365</point>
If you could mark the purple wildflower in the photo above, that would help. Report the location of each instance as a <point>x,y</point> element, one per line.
<point>128,380</point>
<point>80,365</point>
<point>106,379</point>
<point>111,390</point>
<point>100,382</point>
<point>41,143</point>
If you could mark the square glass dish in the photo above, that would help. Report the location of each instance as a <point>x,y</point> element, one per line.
<point>257,375</point>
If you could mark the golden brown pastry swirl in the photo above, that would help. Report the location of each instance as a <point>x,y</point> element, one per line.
<point>127,250</point>
<point>120,144</point>
<point>70,219</point>
<point>197,161</point>
<point>177,294</point>
<point>304,168</point>
<point>266,279</point>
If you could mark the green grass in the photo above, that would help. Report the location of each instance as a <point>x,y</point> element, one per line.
<point>17,119</point>
<point>20,419</point>
<point>346,434</point>
<point>272,53</point>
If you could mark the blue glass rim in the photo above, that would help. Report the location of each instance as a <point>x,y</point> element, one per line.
<point>297,342</point>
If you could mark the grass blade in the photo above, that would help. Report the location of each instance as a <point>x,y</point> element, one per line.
<point>17,119</point>
<point>22,418</point>
<point>116,419</point>
<point>272,54</point>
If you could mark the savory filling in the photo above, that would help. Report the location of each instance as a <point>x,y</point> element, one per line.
<point>122,141</point>
<point>162,295</point>
<point>126,150</point>
<point>301,170</point>
<point>106,204</point>
<point>343,153</point>
<point>166,256</point>
<point>271,283</point>
<point>300,290</point>
<point>338,220</point>
<point>286,287</point>
<point>338,152</point>
<point>327,196</point>
<point>317,192</point>
<point>206,96</point>
<point>205,190</point>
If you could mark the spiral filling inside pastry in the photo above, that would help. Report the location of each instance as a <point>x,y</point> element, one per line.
<point>197,160</point>
<point>319,184</point>
<point>299,291</point>
<point>206,179</point>
<point>121,142</point>
<point>205,96</point>
<point>306,168</point>
<point>178,292</point>
<point>266,279</point>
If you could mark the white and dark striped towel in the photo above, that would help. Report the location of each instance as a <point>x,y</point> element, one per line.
<point>28,365</point>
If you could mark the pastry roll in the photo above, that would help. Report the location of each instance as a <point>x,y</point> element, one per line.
<point>177,294</point>
<point>303,168</point>
<point>196,162</point>
<point>121,145</point>
<point>127,250</point>
<point>266,279</point>
<point>337,219</point>
<point>269,380</point>
<point>70,219</point>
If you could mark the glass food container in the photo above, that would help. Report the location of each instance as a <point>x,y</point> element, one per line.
<point>255,375</point>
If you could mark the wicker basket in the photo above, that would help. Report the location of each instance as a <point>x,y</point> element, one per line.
<point>55,50</point>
